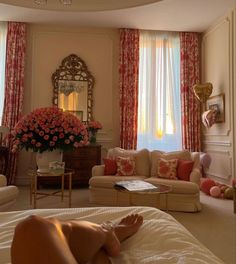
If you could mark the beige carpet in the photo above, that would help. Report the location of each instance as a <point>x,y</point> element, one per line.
<point>214,226</point>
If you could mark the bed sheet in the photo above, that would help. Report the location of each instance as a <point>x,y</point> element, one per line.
<point>161,239</point>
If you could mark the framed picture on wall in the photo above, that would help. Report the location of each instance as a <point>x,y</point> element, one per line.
<point>217,103</point>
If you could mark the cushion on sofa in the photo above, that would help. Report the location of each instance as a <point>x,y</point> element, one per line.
<point>156,154</point>
<point>167,168</point>
<point>141,158</point>
<point>184,169</point>
<point>125,166</point>
<point>110,166</point>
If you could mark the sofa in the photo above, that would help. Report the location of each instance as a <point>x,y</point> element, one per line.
<point>8,193</point>
<point>184,195</point>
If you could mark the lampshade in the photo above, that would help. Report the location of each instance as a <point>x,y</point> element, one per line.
<point>202,91</point>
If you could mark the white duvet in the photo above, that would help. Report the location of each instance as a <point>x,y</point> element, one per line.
<point>161,239</point>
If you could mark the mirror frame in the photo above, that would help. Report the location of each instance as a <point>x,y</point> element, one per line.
<point>73,68</point>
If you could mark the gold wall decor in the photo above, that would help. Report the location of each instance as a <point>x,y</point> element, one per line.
<point>202,91</point>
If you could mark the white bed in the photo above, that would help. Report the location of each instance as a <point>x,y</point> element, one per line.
<point>161,239</point>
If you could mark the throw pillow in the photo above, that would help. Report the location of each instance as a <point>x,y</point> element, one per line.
<point>184,169</point>
<point>110,167</point>
<point>125,166</point>
<point>167,168</point>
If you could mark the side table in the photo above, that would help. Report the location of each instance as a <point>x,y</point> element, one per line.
<point>36,195</point>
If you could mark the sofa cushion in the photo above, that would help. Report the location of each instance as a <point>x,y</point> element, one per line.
<point>110,167</point>
<point>178,186</point>
<point>141,158</point>
<point>156,154</point>
<point>125,166</point>
<point>167,168</point>
<point>109,181</point>
<point>184,169</point>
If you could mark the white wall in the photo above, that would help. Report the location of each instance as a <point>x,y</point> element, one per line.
<point>218,47</point>
<point>46,47</point>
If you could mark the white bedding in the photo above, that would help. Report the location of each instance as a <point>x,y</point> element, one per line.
<point>161,239</point>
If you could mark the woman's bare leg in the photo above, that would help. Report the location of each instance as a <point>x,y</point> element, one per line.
<point>38,240</point>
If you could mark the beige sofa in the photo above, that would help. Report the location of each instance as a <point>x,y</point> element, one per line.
<point>8,193</point>
<point>184,196</point>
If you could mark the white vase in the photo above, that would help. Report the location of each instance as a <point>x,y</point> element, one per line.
<point>43,159</point>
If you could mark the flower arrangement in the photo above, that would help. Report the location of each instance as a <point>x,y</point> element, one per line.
<point>93,127</point>
<point>49,128</point>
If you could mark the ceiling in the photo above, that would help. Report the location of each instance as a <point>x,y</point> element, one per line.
<point>173,15</point>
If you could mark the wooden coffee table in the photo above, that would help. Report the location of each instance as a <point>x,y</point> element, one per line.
<point>162,189</point>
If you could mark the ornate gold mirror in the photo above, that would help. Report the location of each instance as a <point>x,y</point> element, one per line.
<point>73,88</point>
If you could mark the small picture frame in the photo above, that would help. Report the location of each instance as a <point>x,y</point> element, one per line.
<point>56,167</point>
<point>217,103</point>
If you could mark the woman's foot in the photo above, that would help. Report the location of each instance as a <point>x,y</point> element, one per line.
<point>127,227</point>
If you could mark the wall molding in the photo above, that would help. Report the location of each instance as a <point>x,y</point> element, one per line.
<point>219,176</point>
<point>218,151</point>
<point>228,21</point>
<point>226,133</point>
<point>216,26</point>
<point>218,143</point>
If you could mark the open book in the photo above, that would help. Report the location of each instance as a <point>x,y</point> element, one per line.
<point>135,185</point>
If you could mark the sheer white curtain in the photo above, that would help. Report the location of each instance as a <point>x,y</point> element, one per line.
<point>3,35</point>
<point>159,111</point>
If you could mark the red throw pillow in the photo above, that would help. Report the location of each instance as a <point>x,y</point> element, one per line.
<point>167,168</point>
<point>184,169</point>
<point>125,166</point>
<point>110,167</point>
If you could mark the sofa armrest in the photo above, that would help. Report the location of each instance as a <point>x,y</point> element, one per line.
<point>195,176</point>
<point>98,170</point>
<point>3,180</point>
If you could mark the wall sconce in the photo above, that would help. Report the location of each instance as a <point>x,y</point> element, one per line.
<point>202,91</point>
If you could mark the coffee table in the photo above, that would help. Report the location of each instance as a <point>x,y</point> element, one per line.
<point>161,189</point>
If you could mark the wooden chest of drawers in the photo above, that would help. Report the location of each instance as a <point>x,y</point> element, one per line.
<point>81,161</point>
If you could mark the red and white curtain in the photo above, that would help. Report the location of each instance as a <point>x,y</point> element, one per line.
<point>128,84</point>
<point>190,75</point>
<point>14,85</point>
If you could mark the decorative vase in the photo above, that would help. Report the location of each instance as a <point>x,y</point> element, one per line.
<point>93,136</point>
<point>43,159</point>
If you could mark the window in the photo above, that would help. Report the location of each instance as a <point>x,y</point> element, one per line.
<point>159,109</point>
<point>3,34</point>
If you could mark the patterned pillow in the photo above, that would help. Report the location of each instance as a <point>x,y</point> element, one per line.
<point>167,168</point>
<point>110,167</point>
<point>125,166</point>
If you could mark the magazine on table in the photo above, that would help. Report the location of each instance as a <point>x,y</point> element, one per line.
<point>135,185</point>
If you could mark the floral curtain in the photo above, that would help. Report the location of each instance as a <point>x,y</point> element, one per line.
<point>128,82</point>
<point>190,75</point>
<point>14,85</point>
